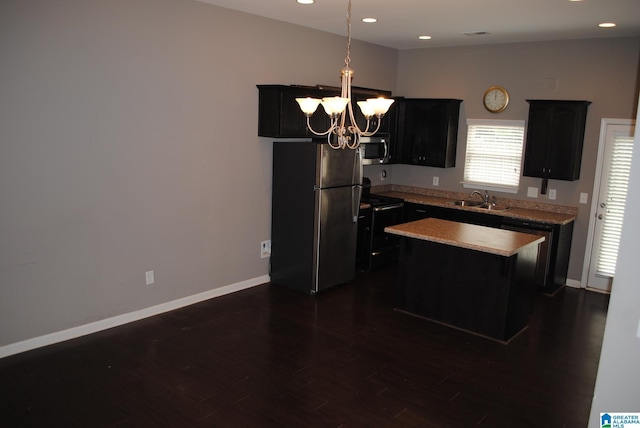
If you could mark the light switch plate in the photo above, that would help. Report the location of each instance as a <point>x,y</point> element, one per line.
<point>149,277</point>
<point>584,197</point>
<point>532,192</point>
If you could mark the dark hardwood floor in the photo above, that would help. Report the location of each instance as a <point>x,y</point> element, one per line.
<point>272,357</point>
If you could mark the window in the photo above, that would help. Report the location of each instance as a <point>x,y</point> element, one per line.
<point>494,154</point>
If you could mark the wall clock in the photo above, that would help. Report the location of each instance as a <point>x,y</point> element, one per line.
<point>496,99</point>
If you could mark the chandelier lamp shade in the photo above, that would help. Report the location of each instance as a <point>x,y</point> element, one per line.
<point>343,133</point>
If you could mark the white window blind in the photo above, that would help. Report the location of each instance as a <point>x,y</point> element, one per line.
<point>494,152</point>
<point>616,198</point>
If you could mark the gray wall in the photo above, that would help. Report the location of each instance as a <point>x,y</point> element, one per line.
<point>603,71</point>
<point>128,143</point>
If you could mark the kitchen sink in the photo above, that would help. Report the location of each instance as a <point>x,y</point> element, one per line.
<point>480,204</point>
<point>494,207</point>
<point>466,203</point>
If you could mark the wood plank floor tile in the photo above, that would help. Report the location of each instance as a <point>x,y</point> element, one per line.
<point>272,357</point>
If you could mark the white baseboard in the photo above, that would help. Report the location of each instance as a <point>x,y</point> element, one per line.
<point>94,327</point>
<point>574,283</point>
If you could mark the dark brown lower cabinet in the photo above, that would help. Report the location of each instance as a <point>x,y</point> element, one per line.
<point>479,292</point>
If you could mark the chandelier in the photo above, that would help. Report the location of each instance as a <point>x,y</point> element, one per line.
<point>342,134</point>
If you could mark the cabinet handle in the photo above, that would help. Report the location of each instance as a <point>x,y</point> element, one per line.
<point>389,207</point>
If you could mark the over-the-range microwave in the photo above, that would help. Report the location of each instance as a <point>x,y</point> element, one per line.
<point>375,149</point>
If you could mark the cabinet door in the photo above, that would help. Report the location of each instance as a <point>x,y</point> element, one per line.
<point>362,94</point>
<point>428,131</point>
<point>555,135</point>
<point>538,132</point>
<point>279,114</point>
<point>393,125</point>
<point>414,212</point>
<point>293,122</point>
<point>565,142</point>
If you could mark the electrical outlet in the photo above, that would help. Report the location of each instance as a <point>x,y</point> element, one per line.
<point>532,192</point>
<point>584,197</point>
<point>436,181</point>
<point>149,277</point>
<point>552,194</point>
<point>383,174</point>
<point>265,249</point>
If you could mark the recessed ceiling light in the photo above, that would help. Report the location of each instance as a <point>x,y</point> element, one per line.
<point>607,25</point>
<point>305,1</point>
<point>369,20</point>
<point>424,37</point>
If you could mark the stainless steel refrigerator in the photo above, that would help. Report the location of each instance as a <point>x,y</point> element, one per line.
<point>315,203</point>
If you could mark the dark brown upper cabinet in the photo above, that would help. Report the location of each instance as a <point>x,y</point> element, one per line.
<point>555,135</point>
<point>279,115</point>
<point>427,131</point>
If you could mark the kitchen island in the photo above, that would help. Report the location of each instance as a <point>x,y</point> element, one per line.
<point>471,277</point>
<point>555,222</point>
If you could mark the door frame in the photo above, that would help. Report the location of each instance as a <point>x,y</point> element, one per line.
<point>595,195</point>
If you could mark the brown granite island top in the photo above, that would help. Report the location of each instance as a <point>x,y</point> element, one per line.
<point>480,238</point>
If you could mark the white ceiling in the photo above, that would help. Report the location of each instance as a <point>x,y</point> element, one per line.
<point>400,22</point>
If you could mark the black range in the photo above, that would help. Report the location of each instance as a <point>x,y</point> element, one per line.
<point>376,248</point>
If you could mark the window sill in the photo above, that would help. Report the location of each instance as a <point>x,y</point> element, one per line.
<point>491,187</point>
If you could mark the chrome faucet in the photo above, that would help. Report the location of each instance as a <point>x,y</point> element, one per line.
<point>485,198</point>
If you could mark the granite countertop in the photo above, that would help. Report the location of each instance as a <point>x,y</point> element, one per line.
<point>480,238</point>
<point>523,210</point>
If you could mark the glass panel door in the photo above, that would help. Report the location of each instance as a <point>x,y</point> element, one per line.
<point>611,201</point>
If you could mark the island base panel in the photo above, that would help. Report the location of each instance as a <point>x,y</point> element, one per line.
<point>484,293</point>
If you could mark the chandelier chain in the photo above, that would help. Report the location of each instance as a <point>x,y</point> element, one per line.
<point>347,59</point>
<point>342,133</point>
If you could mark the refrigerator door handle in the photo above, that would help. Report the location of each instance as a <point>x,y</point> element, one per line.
<point>357,166</point>
<point>356,193</point>
<point>356,190</point>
